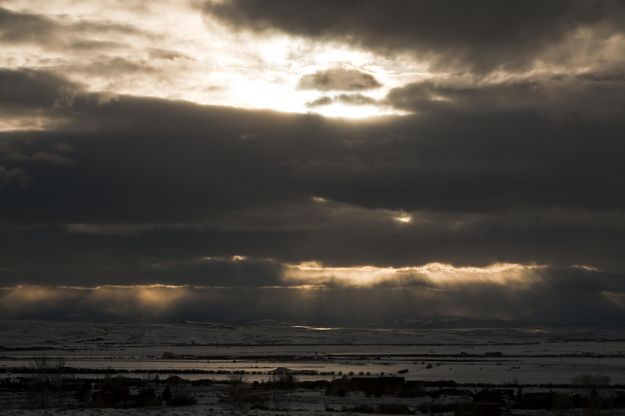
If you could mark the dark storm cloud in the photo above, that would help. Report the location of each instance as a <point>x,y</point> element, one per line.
<point>480,35</point>
<point>88,267</point>
<point>55,153</point>
<point>459,161</point>
<point>54,254</point>
<point>25,91</point>
<point>486,183</point>
<point>588,95</point>
<point>431,96</point>
<point>13,177</point>
<point>134,190</point>
<point>350,99</point>
<point>339,79</point>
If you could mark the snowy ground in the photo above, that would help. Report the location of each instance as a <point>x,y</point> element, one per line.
<point>496,356</point>
<point>465,355</point>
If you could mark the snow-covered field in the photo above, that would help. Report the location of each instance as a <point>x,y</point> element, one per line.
<point>67,335</point>
<point>463,355</point>
<point>198,350</point>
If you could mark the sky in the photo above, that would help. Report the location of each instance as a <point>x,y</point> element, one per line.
<point>336,162</point>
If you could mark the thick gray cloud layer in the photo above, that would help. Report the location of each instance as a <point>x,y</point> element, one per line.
<point>589,96</point>
<point>509,185</point>
<point>479,36</point>
<point>29,91</point>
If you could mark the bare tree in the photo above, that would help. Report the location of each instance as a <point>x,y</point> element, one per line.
<point>237,390</point>
<point>47,375</point>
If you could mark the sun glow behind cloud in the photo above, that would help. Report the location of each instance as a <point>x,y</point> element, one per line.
<point>169,50</point>
<point>403,218</point>
<point>352,111</point>
<point>153,298</point>
<point>437,274</point>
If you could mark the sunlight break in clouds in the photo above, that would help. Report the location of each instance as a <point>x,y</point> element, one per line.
<point>168,49</point>
<point>403,218</point>
<point>436,274</point>
<point>151,299</point>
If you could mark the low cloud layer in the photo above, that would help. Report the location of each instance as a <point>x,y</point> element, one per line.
<point>545,297</point>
